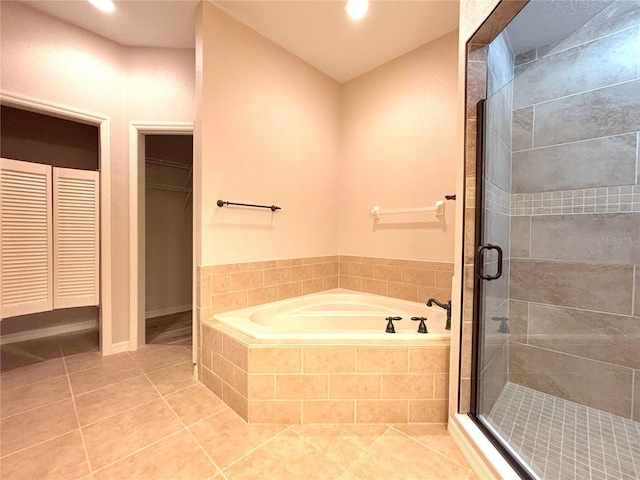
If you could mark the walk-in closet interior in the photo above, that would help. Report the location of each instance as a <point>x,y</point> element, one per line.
<point>168,238</point>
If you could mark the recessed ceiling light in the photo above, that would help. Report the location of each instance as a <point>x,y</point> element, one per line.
<point>104,5</point>
<point>357,9</point>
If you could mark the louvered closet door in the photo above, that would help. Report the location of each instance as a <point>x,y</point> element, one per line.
<point>25,238</point>
<point>75,238</point>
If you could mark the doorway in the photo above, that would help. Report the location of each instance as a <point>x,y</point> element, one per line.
<point>104,335</point>
<point>161,231</point>
<point>168,238</point>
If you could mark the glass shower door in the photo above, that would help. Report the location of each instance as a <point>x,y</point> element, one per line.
<point>557,265</point>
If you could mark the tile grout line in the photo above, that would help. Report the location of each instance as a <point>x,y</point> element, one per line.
<point>219,470</point>
<point>35,408</point>
<point>288,427</point>
<point>36,444</point>
<point>633,291</point>
<point>546,305</point>
<point>615,442</point>
<point>75,410</point>
<point>595,89</point>
<point>119,413</point>
<point>591,40</point>
<point>573,142</point>
<point>633,464</point>
<point>137,406</point>
<point>633,393</point>
<point>577,356</point>
<point>131,454</point>
<point>109,385</point>
<point>301,437</point>
<point>6,374</point>
<point>348,470</point>
<point>392,427</point>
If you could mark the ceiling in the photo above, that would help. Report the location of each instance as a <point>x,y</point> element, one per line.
<point>317,31</point>
<point>558,20</point>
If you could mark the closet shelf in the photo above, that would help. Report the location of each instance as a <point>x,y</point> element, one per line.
<point>171,188</point>
<point>167,163</point>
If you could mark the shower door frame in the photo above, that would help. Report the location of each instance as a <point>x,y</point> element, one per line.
<point>511,457</point>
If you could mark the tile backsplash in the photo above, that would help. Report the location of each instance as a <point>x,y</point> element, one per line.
<point>412,280</point>
<point>229,287</point>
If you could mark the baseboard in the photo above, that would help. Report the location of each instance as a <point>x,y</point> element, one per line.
<point>487,463</point>
<point>167,311</point>
<point>48,332</point>
<point>117,348</point>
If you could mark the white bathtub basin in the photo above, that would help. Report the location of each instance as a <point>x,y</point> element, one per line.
<point>336,314</point>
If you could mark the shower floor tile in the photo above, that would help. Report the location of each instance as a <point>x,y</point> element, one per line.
<point>562,440</point>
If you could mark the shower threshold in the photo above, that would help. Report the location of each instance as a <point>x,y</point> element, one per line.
<point>563,440</point>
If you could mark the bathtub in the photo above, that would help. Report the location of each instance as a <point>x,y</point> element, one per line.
<point>326,358</point>
<point>336,314</point>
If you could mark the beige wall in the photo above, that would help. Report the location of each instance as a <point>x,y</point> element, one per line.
<point>270,136</point>
<point>44,58</point>
<point>275,130</point>
<point>398,150</point>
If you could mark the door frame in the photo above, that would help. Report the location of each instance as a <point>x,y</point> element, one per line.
<point>137,132</point>
<point>103,123</point>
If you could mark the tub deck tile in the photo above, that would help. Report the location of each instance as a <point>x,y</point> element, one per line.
<point>293,380</point>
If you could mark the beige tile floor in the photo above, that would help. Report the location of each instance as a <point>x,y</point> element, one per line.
<point>142,415</point>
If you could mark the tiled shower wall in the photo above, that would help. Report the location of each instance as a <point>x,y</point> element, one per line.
<point>575,224</point>
<point>616,235</point>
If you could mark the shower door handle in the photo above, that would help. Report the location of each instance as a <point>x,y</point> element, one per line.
<point>481,250</point>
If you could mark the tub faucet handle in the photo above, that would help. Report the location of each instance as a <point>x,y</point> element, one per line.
<point>390,327</point>
<point>422,328</point>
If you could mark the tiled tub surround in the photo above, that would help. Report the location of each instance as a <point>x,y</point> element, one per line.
<point>247,372</point>
<point>223,288</point>
<point>333,381</point>
<point>412,280</point>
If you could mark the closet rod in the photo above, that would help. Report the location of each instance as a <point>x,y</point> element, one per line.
<point>167,163</point>
<point>273,208</point>
<point>171,188</point>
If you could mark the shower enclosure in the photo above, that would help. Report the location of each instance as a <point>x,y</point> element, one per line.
<point>556,341</point>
